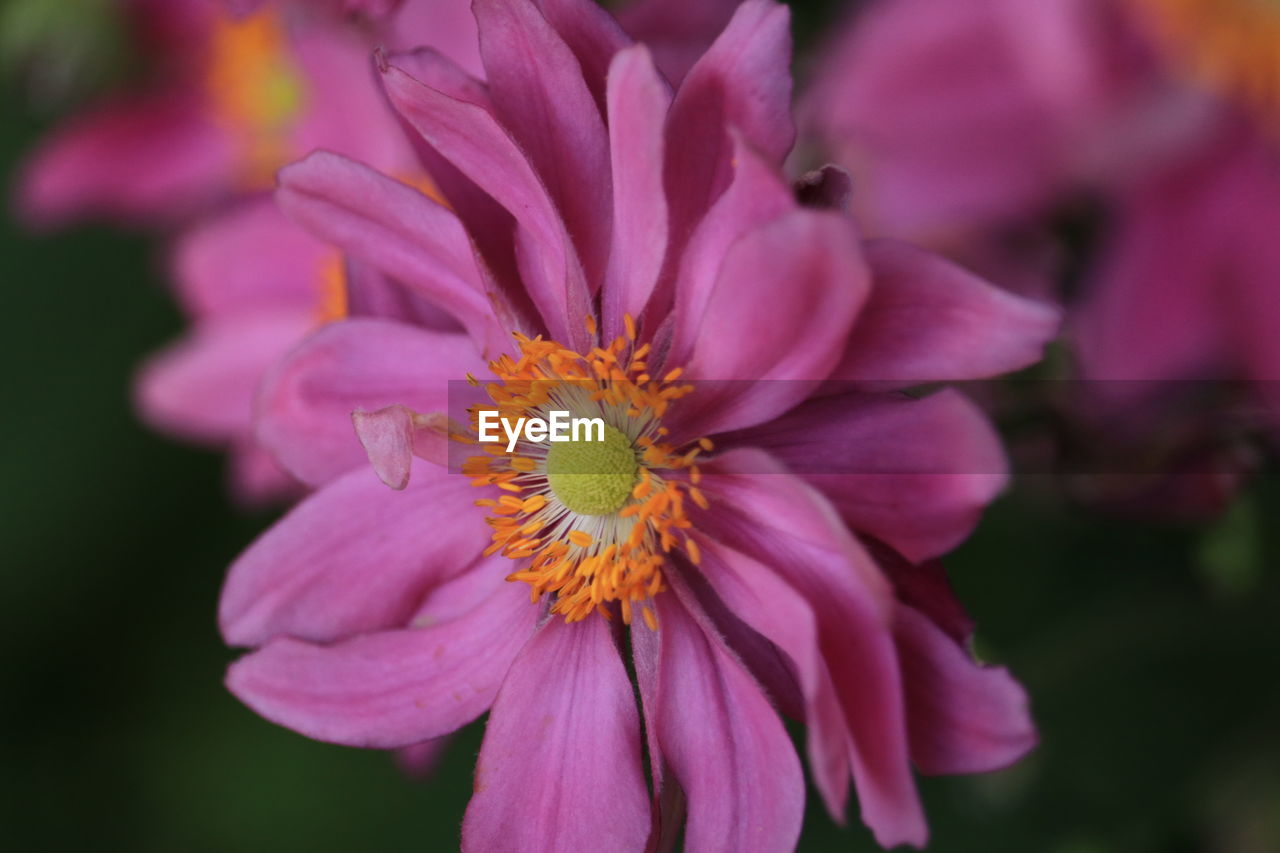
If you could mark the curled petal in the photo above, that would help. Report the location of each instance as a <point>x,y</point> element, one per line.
<point>305,405</point>
<point>394,435</point>
<point>963,716</point>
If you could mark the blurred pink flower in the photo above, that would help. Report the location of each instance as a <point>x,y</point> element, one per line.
<point>225,103</point>
<point>253,285</point>
<point>975,117</point>
<point>581,187</point>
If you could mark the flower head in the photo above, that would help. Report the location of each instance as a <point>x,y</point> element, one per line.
<point>617,249</point>
<point>225,103</point>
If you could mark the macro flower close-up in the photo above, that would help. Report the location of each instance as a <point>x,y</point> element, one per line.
<point>561,425</point>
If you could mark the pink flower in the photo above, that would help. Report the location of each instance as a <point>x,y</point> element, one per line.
<point>226,103</point>
<point>974,117</point>
<point>714,558</point>
<point>253,285</point>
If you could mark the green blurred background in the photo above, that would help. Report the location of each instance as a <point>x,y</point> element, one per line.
<point>1150,651</point>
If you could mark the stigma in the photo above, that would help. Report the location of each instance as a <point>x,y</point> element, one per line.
<point>592,521</point>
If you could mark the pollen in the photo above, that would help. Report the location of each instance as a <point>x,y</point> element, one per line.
<point>1232,45</point>
<point>591,524</point>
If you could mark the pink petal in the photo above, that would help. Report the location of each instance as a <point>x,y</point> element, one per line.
<point>914,473</point>
<point>202,387</point>
<point>963,717</point>
<point>371,293</point>
<point>471,139</point>
<point>766,512</point>
<point>305,405</point>
<point>347,112</point>
<point>928,320</point>
<point>1164,269</point>
<point>248,258</point>
<point>638,100</point>
<point>165,159</point>
<point>770,606</point>
<point>489,225</point>
<point>757,195</point>
<point>393,228</point>
<point>743,81</point>
<point>677,31</point>
<point>956,115</point>
<point>444,25</point>
<point>355,556</point>
<point>392,436</point>
<point>724,743</point>
<point>592,34</point>
<point>776,322</point>
<point>560,766</point>
<point>391,688</point>
<point>256,481</point>
<point>540,96</point>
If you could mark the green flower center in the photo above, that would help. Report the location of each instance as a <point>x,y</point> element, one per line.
<point>593,477</point>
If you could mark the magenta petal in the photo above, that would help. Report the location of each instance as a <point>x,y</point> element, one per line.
<point>776,321</point>
<point>393,228</point>
<point>392,436</point>
<point>202,387</point>
<point>305,405</point>
<point>540,96</point>
<point>560,767</point>
<point>638,100</point>
<point>391,688</point>
<point>591,33</point>
<point>963,717</point>
<point>149,160</point>
<point>250,257</point>
<point>472,140</point>
<point>724,743</point>
<point>355,556</point>
<point>677,31</point>
<point>928,320</point>
<point>757,194</point>
<point>770,606</point>
<point>914,473</point>
<point>743,81</point>
<point>764,511</point>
